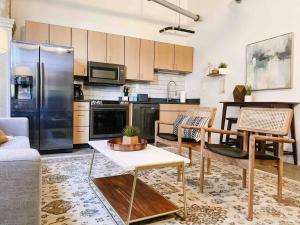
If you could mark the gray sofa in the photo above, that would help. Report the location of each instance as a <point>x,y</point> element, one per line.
<point>20,176</point>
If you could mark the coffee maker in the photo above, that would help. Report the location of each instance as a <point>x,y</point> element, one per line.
<point>78,93</point>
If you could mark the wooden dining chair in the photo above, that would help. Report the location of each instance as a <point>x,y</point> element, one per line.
<point>266,121</point>
<point>177,141</point>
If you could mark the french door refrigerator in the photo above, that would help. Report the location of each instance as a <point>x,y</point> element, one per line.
<point>42,91</point>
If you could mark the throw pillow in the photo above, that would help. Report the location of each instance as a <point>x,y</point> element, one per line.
<point>194,133</point>
<point>3,137</point>
<point>179,120</point>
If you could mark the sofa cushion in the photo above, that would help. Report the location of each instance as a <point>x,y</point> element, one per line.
<point>16,142</point>
<point>3,137</point>
<point>19,154</point>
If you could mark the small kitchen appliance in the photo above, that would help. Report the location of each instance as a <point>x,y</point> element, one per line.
<point>78,93</point>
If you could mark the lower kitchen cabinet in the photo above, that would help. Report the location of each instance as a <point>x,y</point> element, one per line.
<point>144,117</point>
<point>81,119</point>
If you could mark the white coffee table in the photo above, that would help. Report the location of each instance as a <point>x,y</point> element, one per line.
<point>132,199</point>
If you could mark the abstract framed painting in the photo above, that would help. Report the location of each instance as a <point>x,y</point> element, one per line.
<point>269,63</point>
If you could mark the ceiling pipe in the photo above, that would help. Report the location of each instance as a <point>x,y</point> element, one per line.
<point>176,8</point>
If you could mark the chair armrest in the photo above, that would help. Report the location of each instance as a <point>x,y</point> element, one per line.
<point>219,131</point>
<point>273,139</point>
<point>162,122</point>
<point>15,126</point>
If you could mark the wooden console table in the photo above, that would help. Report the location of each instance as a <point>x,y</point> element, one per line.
<point>263,105</point>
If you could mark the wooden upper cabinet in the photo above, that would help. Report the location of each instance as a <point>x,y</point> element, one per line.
<point>164,56</point>
<point>96,46</point>
<point>115,49</point>
<point>60,35</point>
<point>36,32</point>
<point>183,58</point>
<point>147,60</point>
<point>132,58</point>
<point>79,43</point>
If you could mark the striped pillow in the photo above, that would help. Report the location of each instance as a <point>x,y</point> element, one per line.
<point>194,133</point>
<point>181,119</point>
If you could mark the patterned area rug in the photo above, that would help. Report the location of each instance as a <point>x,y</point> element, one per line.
<point>67,198</point>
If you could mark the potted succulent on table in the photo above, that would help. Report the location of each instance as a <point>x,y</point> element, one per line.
<point>223,68</point>
<point>248,96</point>
<point>130,136</point>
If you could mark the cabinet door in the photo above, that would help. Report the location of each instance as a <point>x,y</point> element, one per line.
<point>115,49</point>
<point>132,58</point>
<point>147,60</point>
<point>60,35</point>
<point>96,46</point>
<point>36,32</point>
<point>79,43</point>
<point>164,56</point>
<point>183,58</point>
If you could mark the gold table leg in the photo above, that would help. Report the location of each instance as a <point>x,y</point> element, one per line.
<point>132,196</point>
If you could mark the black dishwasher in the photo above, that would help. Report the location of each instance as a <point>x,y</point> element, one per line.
<point>144,117</point>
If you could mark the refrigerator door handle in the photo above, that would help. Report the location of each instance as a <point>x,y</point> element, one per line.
<point>42,72</point>
<point>37,83</point>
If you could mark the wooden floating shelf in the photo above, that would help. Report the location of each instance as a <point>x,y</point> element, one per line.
<point>215,75</point>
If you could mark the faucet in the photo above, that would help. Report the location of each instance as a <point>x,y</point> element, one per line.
<point>168,90</point>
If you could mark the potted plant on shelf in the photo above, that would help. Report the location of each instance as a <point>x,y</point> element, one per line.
<point>223,68</point>
<point>130,136</point>
<point>248,96</point>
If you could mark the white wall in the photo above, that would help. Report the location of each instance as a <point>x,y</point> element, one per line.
<point>139,18</point>
<point>223,35</point>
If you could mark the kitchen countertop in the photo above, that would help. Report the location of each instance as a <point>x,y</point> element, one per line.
<point>195,101</point>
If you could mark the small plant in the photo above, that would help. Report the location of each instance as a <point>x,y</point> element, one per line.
<point>131,131</point>
<point>248,89</point>
<point>223,65</point>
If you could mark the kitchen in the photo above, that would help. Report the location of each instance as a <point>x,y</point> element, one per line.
<point>119,80</point>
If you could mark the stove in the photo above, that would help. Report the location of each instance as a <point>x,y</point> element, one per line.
<point>108,119</point>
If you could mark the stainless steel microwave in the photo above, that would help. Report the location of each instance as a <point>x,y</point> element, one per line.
<point>105,74</point>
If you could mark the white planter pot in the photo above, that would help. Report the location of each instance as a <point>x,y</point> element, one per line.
<point>248,98</point>
<point>223,71</point>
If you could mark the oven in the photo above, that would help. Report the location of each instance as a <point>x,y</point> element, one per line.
<point>105,74</point>
<point>108,120</point>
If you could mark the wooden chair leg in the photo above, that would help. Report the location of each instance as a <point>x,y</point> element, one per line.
<point>179,152</point>
<point>179,173</point>
<point>251,180</point>
<point>280,172</point>
<point>201,173</point>
<point>208,166</point>
<point>244,182</point>
<point>190,156</point>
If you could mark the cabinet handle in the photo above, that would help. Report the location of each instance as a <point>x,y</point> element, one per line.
<point>80,115</point>
<point>109,58</point>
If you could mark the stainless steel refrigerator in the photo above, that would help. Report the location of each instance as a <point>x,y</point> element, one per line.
<point>42,91</point>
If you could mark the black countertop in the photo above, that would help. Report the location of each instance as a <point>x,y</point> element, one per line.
<point>195,101</point>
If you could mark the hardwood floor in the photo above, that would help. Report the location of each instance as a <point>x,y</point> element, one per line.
<point>289,170</point>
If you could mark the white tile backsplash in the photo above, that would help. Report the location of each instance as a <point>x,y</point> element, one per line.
<point>155,89</point>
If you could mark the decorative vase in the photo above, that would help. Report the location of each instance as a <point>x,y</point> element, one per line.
<point>239,93</point>
<point>248,98</point>
<point>223,71</point>
<point>130,140</point>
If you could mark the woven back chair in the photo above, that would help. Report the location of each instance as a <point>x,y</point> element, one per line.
<point>267,121</point>
<point>274,124</point>
<point>178,142</point>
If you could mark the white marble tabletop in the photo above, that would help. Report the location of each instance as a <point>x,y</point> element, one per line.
<point>151,156</point>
